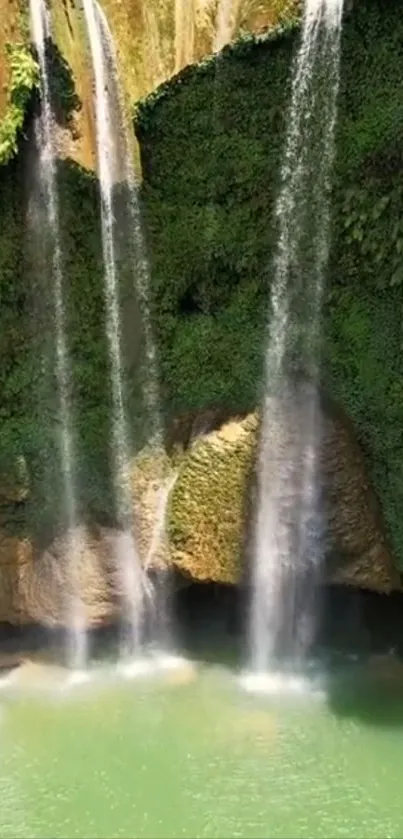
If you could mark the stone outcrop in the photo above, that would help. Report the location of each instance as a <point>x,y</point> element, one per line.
<point>36,582</point>
<point>157,38</point>
<point>207,488</point>
<point>211,506</point>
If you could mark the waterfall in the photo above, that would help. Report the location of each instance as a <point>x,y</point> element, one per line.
<point>289,529</point>
<point>158,617</point>
<point>136,247</point>
<point>115,167</point>
<point>227,12</point>
<point>48,228</point>
<point>185,13</point>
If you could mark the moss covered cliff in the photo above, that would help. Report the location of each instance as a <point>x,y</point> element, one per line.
<point>211,143</point>
<point>29,463</point>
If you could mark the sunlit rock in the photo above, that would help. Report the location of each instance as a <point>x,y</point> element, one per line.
<point>214,498</point>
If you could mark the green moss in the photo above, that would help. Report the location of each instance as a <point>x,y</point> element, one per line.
<point>29,407</point>
<point>211,143</point>
<point>207,511</point>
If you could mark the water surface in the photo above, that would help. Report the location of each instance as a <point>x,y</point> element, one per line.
<point>190,754</point>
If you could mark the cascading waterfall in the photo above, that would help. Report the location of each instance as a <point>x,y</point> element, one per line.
<point>288,544</point>
<point>185,13</point>
<point>115,164</point>
<point>126,552</point>
<point>227,12</point>
<point>161,628</point>
<point>49,224</point>
<point>136,247</point>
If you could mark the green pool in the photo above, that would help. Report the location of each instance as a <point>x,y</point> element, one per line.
<point>190,754</point>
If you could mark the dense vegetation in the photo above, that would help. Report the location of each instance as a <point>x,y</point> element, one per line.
<point>31,493</point>
<point>23,80</point>
<point>211,143</point>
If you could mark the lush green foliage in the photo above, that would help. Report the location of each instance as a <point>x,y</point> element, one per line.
<point>23,80</point>
<point>29,404</point>
<point>211,143</point>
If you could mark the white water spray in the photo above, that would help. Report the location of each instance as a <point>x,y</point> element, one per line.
<point>139,261</point>
<point>46,163</point>
<point>288,545</point>
<point>126,553</point>
<point>226,23</point>
<point>115,163</point>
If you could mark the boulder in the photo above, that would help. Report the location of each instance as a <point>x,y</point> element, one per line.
<point>212,501</point>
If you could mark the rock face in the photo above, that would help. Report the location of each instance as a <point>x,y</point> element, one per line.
<point>211,503</point>
<point>156,38</point>
<point>35,581</point>
<point>208,493</point>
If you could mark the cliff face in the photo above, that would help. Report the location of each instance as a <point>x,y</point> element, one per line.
<point>154,40</point>
<point>211,142</point>
<point>18,75</point>
<point>210,515</point>
<point>157,38</point>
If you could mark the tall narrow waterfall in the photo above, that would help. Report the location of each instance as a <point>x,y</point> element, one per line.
<point>47,227</point>
<point>116,175</point>
<point>127,556</point>
<point>158,616</point>
<point>226,23</point>
<point>288,545</point>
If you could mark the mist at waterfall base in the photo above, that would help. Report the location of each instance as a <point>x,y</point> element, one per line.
<point>290,528</point>
<point>87,762</point>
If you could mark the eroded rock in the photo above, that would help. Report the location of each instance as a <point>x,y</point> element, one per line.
<point>211,506</point>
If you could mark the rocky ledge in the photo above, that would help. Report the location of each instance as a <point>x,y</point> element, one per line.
<point>209,484</point>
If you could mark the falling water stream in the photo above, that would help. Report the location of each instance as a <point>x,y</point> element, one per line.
<point>288,546</point>
<point>126,551</point>
<point>46,166</point>
<point>143,601</point>
<point>227,11</point>
<point>136,245</point>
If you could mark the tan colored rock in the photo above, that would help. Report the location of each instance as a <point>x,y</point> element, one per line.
<point>353,513</point>
<point>153,477</point>
<point>15,558</point>
<point>45,584</point>
<point>36,584</point>
<point>156,38</point>
<point>10,32</point>
<point>207,513</point>
<point>209,508</point>
<point>207,493</point>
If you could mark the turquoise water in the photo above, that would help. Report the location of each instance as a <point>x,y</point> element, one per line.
<point>190,754</point>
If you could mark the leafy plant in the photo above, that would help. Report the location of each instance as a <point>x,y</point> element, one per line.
<point>24,78</point>
<point>374,226</point>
